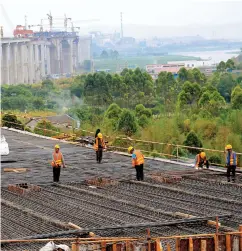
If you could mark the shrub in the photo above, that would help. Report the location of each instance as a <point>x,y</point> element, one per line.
<point>11,121</point>
<point>155,154</point>
<point>192,140</point>
<point>127,122</point>
<point>113,111</point>
<point>181,152</point>
<point>45,127</point>
<point>143,121</point>
<point>215,159</point>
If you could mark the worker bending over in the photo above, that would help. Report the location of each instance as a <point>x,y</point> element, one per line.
<point>231,162</point>
<point>99,146</point>
<point>137,162</point>
<point>201,160</point>
<point>57,162</point>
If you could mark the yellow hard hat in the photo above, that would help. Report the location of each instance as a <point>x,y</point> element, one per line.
<point>57,146</point>
<point>203,154</point>
<point>130,149</point>
<point>228,147</point>
<point>100,136</point>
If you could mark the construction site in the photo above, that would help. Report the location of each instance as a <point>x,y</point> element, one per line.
<point>102,206</point>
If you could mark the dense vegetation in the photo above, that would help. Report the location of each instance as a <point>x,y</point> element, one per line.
<point>191,110</point>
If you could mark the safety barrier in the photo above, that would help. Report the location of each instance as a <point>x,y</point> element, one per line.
<point>230,241</point>
<point>166,150</point>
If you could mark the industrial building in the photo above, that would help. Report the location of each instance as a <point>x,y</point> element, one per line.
<point>105,201</point>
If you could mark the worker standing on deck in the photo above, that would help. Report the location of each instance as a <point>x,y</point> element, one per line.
<point>137,162</point>
<point>99,146</point>
<point>201,160</point>
<point>231,162</point>
<point>57,162</point>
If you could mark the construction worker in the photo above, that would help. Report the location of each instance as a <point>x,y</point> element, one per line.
<point>99,146</point>
<point>137,162</point>
<point>57,162</point>
<point>231,162</point>
<point>201,160</point>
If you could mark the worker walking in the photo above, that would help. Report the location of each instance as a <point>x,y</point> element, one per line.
<point>99,146</point>
<point>57,162</point>
<point>201,160</point>
<point>137,162</point>
<point>231,162</point>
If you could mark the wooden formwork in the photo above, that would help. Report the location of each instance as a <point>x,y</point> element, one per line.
<point>204,242</point>
<point>231,241</point>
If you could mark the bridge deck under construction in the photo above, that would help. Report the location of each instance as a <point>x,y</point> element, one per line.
<point>98,196</point>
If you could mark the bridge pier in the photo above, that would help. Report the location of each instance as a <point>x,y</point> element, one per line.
<point>28,60</point>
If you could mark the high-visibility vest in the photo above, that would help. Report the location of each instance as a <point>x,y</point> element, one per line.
<point>95,146</point>
<point>57,158</point>
<point>200,160</point>
<point>139,159</point>
<point>233,159</point>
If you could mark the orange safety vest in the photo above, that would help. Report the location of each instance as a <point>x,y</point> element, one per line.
<point>95,146</point>
<point>58,159</point>
<point>233,159</point>
<point>200,160</point>
<point>139,159</point>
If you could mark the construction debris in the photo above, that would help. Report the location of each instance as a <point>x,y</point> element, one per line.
<point>15,170</point>
<point>24,188</point>
<point>51,246</point>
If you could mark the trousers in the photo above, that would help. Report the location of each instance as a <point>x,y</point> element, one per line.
<point>202,163</point>
<point>56,174</point>
<point>229,170</point>
<point>140,172</point>
<point>99,155</point>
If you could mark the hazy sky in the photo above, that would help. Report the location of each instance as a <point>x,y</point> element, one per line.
<point>136,12</point>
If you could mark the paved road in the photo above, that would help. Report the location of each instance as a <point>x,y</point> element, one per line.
<point>35,154</point>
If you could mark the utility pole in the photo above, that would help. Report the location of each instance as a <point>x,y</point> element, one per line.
<point>121,19</point>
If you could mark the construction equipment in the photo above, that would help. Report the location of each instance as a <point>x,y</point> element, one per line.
<point>20,31</point>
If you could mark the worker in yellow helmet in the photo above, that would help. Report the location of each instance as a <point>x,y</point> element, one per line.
<point>137,162</point>
<point>57,162</point>
<point>231,162</point>
<point>201,160</point>
<point>99,146</point>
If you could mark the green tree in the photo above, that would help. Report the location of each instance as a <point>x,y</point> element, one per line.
<point>183,74</point>
<point>225,86</point>
<point>141,110</point>
<point>193,141</point>
<point>127,123</point>
<point>11,121</point>
<point>236,98</point>
<point>230,64</point>
<point>38,103</point>
<point>48,84</point>
<point>212,102</point>
<point>45,127</point>
<point>113,112</point>
<point>189,95</point>
<point>143,120</point>
<point>221,66</point>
